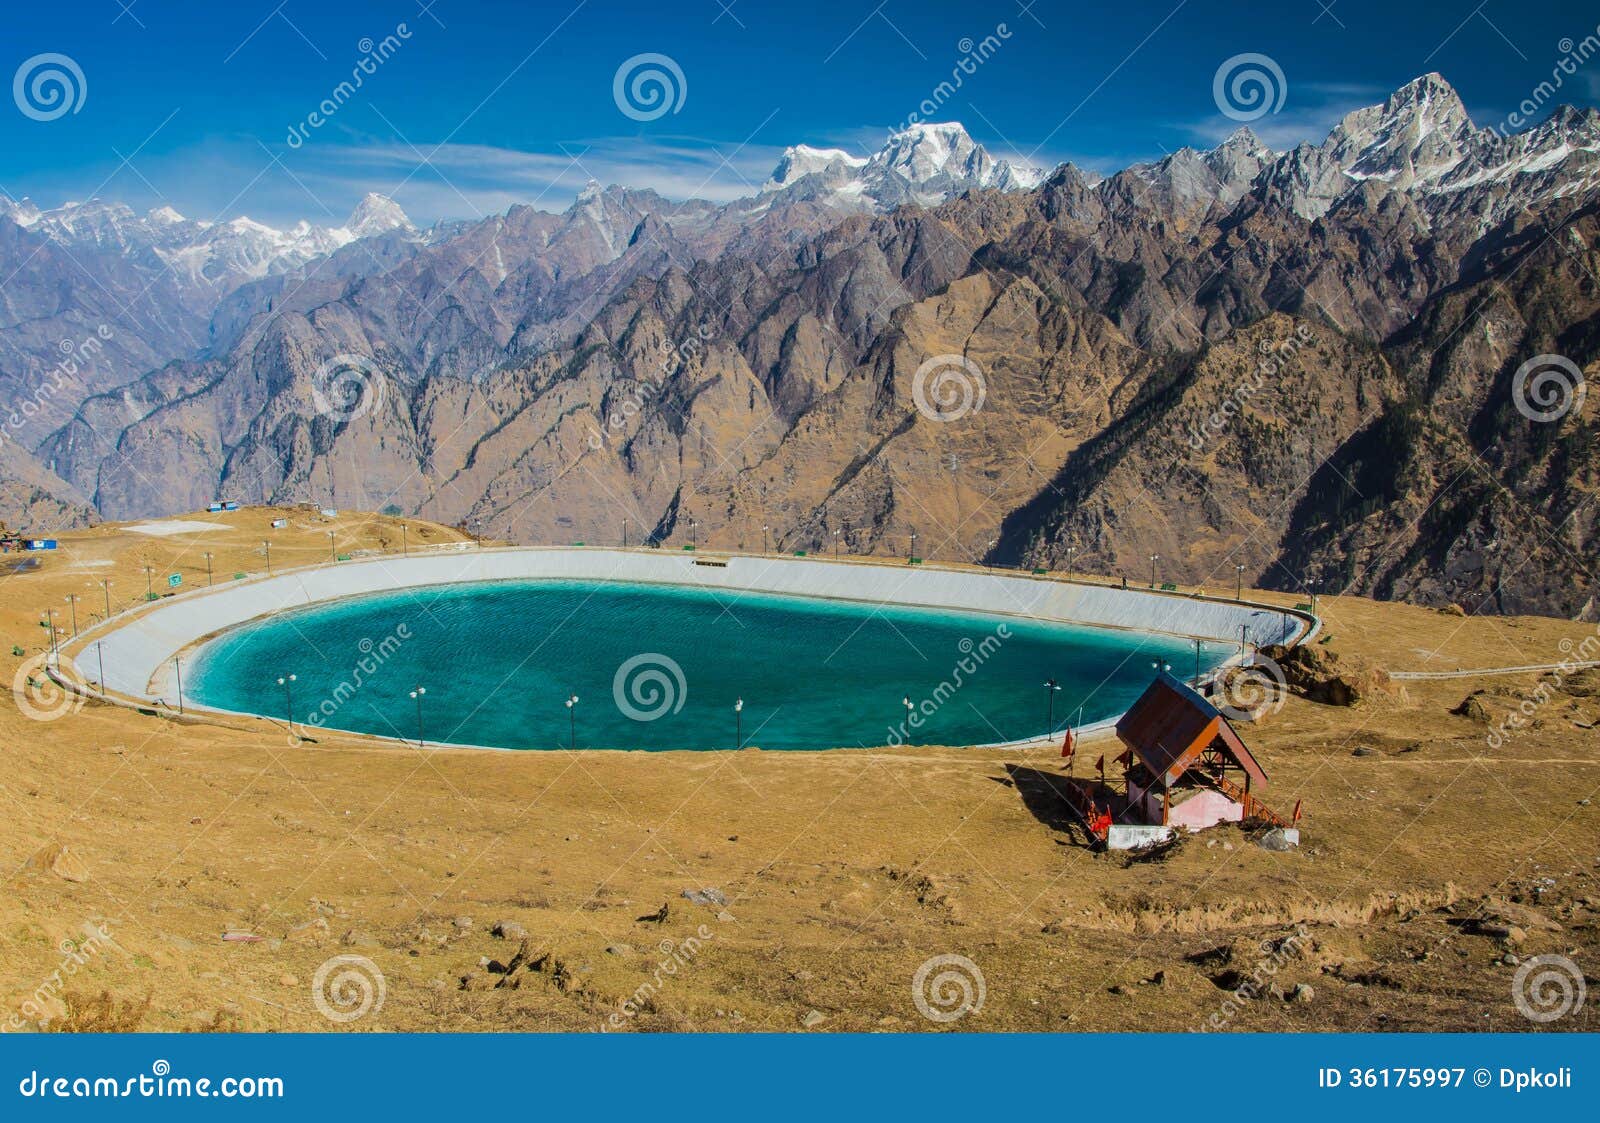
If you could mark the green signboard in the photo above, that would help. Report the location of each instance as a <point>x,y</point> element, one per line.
<point>174,580</point>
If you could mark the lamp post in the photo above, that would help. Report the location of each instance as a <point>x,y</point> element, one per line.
<point>1238,582</point>
<point>989,553</point>
<point>208,569</point>
<point>72,599</point>
<point>909,705</point>
<point>1052,688</point>
<point>1160,667</point>
<point>332,554</point>
<point>177,667</point>
<point>911,548</point>
<point>100,651</point>
<point>416,696</point>
<point>50,615</point>
<point>1153,559</point>
<point>1197,662</point>
<point>572,722</point>
<point>765,548</point>
<point>1072,556</point>
<point>267,546</point>
<point>738,722</point>
<point>106,585</point>
<point>694,534</point>
<point>287,682</point>
<point>405,547</point>
<point>149,591</point>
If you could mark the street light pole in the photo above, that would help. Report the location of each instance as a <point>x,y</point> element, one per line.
<point>1153,559</point>
<point>177,666</point>
<point>405,548</point>
<point>416,696</point>
<point>287,682</point>
<point>332,553</point>
<point>1197,662</point>
<point>694,534</point>
<point>909,705</point>
<point>72,598</point>
<point>149,591</point>
<point>50,615</point>
<point>1072,558</point>
<point>106,585</point>
<point>766,547</point>
<point>911,550</point>
<point>738,723</point>
<point>1052,688</point>
<point>267,546</point>
<point>572,722</point>
<point>1238,582</point>
<point>208,569</point>
<point>100,650</point>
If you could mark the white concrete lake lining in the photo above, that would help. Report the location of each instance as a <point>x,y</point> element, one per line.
<point>138,651</point>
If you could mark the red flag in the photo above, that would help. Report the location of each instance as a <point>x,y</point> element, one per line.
<point>1066,745</point>
<point>1101,765</point>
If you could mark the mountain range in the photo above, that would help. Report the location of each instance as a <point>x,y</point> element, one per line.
<point>1299,368</point>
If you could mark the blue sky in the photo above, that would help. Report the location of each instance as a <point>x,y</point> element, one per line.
<point>484,104</point>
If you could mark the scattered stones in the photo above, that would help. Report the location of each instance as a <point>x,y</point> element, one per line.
<point>705,897</point>
<point>462,922</point>
<point>288,981</point>
<point>1302,993</point>
<point>622,951</point>
<point>726,917</point>
<point>1279,839</point>
<point>1364,750</point>
<point>60,861</point>
<point>313,931</point>
<point>812,1019</point>
<point>508,930</point>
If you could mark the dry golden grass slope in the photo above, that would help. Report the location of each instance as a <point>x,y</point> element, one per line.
<point>1431,862</point>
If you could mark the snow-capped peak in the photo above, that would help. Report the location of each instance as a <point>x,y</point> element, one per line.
<point>376,214</point>
<point>924,164</point>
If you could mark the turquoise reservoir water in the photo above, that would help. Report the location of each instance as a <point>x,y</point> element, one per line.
<point>661,668</point>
